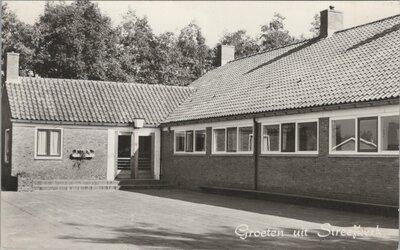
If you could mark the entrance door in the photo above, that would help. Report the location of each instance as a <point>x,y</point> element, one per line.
<point>145,158</point>
<point>124,156</point>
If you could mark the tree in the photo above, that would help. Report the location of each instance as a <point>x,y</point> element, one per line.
<point>76,42</point>
<point>197,57</point>
<point>138,44</point>
<point>244,44</point>
<point>274,34</point>
<point>18,37</point>
<point>315,25</point>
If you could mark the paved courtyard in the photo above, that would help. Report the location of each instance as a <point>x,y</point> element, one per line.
<point>177,219</point>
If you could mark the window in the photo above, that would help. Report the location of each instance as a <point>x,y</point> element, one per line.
<point>343,135</point>
<point>190,141</point>
<point>200,138</point>
<point>270,139</point>
<point>368,134</point>
<point>246,139</point>
<point>288,137</point>
<point>180,141</point>
<point>7,146</point>
<point>48,143</point>
<point>376,134</point>
<point>307,132</point>
<point>233,140</point>
<point>390,133</point>
<point>293,137</point>
<point>219,140</point>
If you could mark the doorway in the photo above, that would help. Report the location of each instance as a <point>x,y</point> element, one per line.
<point>145,157</point>
<point>124,153</point>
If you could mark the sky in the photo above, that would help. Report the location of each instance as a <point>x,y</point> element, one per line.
<point>218,17</point>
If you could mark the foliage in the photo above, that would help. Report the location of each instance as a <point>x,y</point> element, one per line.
<point>274,34</point>
<point>244,44</point>
<point>315,25</point>
<point>197,57</point>
<point>18,37</point>
<point>76,41</point>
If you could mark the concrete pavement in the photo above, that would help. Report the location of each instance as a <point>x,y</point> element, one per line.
<point>179,219</point>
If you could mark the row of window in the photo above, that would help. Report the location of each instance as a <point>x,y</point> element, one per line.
<point>350,135</point>
<point>366,134</point>
<point>190,141</point>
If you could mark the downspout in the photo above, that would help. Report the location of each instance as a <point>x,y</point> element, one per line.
<point>255,152</point>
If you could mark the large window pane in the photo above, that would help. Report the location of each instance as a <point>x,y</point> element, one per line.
<point>288,137</point>
<point>271,138</point>
<point>180,141</point>
<point>42,142</point>
<point>343,135</point>
<point>390,133</point>
<point>368,134</point>
<point>246,139</point>
<point>232,139</point>
<point>200,141</point>
<point>219,140</point>
<point>307,136</point>
<point>189,141</point>
<point>55,143</point>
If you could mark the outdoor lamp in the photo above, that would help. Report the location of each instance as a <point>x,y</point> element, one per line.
<point>138,122</point>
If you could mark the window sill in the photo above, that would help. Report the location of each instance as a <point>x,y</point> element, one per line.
<point>289,155</point>
<point>190,154</point>
<point>364,155</point>
<point>58,158</point>
<point>232,154</point>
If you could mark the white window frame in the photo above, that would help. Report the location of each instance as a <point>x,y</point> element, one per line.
<point>356,153</point>
<point>296,149</point>
<point>39,157</point>
<point>226,138</point>
<point>194,142</point>
<point>7,145</point>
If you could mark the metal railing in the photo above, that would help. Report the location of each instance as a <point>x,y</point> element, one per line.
<point>124,163</point>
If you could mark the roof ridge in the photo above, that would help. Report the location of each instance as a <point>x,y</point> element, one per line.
<point>115,82</point>
<point>269,50</point>
<point>365,24</point>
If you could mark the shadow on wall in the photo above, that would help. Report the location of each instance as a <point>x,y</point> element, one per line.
<point>149,235</point>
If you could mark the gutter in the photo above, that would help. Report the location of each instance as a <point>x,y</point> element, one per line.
<point>255,152</point>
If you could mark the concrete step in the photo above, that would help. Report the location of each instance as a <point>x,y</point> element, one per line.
<point>143,186</point>
<point>74,182</point>
<point>122,182</point>
<point>75,187</point>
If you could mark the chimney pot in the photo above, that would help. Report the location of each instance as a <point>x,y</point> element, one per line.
<point>331,21</point>
<point>225,54</point>
<point>12,66</point>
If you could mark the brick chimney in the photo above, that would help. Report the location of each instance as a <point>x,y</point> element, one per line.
<point>12,66</point>
<point>225,54</point>
<point>331,21</point>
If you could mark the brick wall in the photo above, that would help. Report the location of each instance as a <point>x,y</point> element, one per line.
<point>23,147</point>
<point>191,171</point>
<point>361,179</point>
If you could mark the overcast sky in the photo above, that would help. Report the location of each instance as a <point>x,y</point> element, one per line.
<point>215,18</point>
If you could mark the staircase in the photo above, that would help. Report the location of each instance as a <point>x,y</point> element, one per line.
<point>130,184</point>
<point>118,184</point>
<point>42,185</point>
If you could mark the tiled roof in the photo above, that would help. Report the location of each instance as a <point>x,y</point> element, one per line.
<point>354,65</point>
<point>48,99</point>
